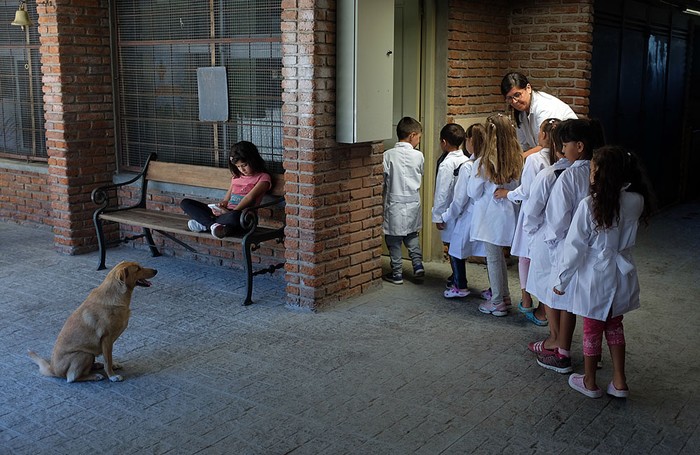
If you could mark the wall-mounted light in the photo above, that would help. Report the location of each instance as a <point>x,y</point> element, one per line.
<point>22,17</point>
<point>694,12</point>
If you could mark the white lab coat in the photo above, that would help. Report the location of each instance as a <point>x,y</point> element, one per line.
<point>542,106</point>
<point>444,190</point>
<point>460,212</point>
<point>570,188</point>
<point>601,260</point>
<point>403,174</point>
<point>533,220</point>
<point>533,165</point>
<point>494,219</point>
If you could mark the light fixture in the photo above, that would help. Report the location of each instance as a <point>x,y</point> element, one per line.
<point>21,16</point>
<point>694,12</point>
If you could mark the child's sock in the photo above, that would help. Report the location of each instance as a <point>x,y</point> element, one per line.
<point>564,352</point>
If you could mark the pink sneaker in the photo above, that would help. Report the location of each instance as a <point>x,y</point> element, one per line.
<point>454,293</point>
<point>576,383</point>
<point>497,310</point>
<point>486,294</point>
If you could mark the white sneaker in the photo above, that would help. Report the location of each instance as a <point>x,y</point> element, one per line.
<point>454,293</point>
<point>196,226</point>
<point>218,230</point>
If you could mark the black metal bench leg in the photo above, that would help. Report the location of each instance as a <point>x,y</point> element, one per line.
<point>248,264</point>
<point>151,243</point>
<point>100,240</point>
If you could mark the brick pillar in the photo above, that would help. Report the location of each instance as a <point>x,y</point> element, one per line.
<point>76,69</point>
<point>334,203</point>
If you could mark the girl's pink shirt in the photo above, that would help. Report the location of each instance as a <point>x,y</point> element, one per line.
<point>240,186</point>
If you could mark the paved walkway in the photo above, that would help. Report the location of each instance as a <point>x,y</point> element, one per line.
<point>398,371</point>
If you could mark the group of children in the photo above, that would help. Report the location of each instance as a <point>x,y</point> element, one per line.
<point>569,211</point>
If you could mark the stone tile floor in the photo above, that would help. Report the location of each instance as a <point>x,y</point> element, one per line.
<point>400,370</point>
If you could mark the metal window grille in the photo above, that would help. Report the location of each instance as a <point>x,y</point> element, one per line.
<point>161,43</point>
<point>21,97</point>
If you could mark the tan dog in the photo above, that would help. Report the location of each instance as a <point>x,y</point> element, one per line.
<point>94,326</point>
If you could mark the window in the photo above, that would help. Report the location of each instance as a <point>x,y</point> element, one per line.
<point>21,97</point>
<point>161,43</point>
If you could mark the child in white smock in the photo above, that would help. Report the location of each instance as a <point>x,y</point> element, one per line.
<point>533,165</point>
<point>598,252</point>
<point>460,211</point>
<point>499,166</point>
<point>579,138</point>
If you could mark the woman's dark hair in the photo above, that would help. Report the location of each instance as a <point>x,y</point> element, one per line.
<point>508,83</point>
<point>615,167</point>
<point>587,131</point>
<point>246,152</point>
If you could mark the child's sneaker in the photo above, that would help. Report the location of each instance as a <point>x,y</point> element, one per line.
<point>486,294</point>
<point>454,293</point>
<point>395,278</point>
<point>196,226</point>
<point>576,382</point>
<point>418,271</point>
<point>555,362</point>
<point>497,310</point>
<point>218,230</point>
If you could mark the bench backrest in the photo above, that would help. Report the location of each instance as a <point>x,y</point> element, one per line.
<point>201,176</point>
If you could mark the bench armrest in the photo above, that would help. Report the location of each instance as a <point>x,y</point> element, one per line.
<point>100,195</point>
<point>249,215</point>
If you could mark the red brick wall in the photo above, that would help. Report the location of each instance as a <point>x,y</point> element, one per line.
<point>550,41</point>
<point>25,194</point>
<point>75,58</point>
<point>334,203</point>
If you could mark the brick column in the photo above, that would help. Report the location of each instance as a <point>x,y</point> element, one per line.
<point>76,69</point>
<point>334,203</point>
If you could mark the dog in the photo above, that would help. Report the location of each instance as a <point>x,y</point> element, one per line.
<point>94,326</point>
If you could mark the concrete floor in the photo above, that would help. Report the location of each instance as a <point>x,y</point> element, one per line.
<point>397,371</point>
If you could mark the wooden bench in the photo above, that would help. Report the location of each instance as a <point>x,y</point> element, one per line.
<point>167,224</point>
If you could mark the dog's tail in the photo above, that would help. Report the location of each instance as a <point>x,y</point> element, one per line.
<point>44,366</point>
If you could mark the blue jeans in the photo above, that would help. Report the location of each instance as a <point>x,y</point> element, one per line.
<point>459,272</point>
<point>393,243</point>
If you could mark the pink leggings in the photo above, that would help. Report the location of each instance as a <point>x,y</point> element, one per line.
<point>593,335</point>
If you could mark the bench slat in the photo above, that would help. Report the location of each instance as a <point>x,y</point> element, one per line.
<point>201,176</point>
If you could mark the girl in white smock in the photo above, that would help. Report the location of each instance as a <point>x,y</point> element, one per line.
<point>579,138</point>
<point>520,247</point>
<point>598,252</point>
<point>460,212</point>
<point>499,166</point>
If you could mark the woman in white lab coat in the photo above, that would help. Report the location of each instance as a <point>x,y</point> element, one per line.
<point>530,108</point>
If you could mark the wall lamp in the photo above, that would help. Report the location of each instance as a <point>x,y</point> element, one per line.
<point>21,16</point>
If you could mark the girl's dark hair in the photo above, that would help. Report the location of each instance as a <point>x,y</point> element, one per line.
<point>477,133</point>
<point>508,83</point>
<point>587,131</point>
<point>616,167</point>
<point>248,153</point>
<point>549,126</point>
<point>453,134</point>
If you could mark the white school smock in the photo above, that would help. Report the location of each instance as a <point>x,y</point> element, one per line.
<point>572,186</point>
<point>494,219</point>
<point>606,276</point>
<point>533,220</point>
<point>460,212</point>
<point>444,190</point>
<point>533,165</point>
<point>542,106</point>
<point>403,174</point>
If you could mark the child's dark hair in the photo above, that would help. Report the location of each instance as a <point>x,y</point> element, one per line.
<point>406,126</point>
<point>453,134</point>
<point>246,152</point>
<point>587,131</point>
<point>477,133</point>
<point>615,167</point>
<point>556,151</point>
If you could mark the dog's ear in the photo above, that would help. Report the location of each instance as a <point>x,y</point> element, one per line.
<point>123,274</point>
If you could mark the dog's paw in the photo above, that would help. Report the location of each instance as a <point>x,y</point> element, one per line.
<point>116,366</point>
<point>116,378</point>
<point>97,377</point>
